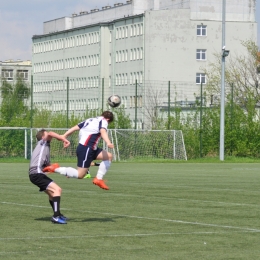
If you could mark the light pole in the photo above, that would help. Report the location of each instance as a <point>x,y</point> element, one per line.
<point>222,98</point>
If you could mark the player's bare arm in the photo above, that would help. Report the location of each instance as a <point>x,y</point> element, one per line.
<point>71,130</point>
<point>104,136</point>
<point>51,135</point>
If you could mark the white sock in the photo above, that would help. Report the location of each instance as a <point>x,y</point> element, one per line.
<point>102,169</point>
<point>67,171</point>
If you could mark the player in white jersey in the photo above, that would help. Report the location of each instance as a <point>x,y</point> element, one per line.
<point>90,132</point>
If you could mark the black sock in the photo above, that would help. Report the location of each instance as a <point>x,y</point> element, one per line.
<point>97,164</point>
<point>51,203</point>
<point>56,206</point>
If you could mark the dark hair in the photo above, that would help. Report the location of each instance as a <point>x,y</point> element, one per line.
<point>40,134</point>
<point>108,115</point>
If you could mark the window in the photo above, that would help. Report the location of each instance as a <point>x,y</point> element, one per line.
<point>7,74</point>
<point>134,54</point>
<point>201,54</point>
<point>126,54</point>
<point>126,79</point>
<point>23,74</point>
<point>123,56</point>
<point>200,78</point>
<point>141,29</point>
<point>131,54</point>
<point>201,30</point>
<point>138,29</point>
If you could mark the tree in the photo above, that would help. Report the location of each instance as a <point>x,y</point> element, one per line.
<point>14,98</point>
<point>241,75</point>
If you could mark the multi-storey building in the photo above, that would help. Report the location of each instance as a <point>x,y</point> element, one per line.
<point>143,41</point>
<point>11,69</point>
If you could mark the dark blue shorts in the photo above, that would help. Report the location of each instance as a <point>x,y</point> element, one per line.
<point>40,180</point>
<point>86,155</point>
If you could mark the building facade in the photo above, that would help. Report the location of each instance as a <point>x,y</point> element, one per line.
<point>134,49</point>
<point>10,69</point>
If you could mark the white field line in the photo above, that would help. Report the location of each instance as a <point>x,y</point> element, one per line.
<point>200,188</point>
<point>144,218</point>
<point>122,235</point>
<point>141,196</point>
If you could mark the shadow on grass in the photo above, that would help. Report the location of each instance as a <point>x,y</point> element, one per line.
<point>79,220</point>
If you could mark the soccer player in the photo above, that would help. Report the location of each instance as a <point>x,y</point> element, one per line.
<point>90,132</point>
<point>39,160</point>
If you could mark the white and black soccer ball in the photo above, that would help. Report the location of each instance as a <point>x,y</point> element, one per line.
<point>114,101</point>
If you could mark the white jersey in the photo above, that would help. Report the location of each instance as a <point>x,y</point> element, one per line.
<point>89,133</point>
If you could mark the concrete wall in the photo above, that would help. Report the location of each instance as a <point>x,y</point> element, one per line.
<point>60,24</point>
<point>171,43</point>
<point>236,10</point>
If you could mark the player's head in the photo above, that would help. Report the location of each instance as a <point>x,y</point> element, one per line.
<point>108,115</point>
<point>40,134</point>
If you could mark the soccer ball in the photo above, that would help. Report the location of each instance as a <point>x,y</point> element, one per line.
<point>114,101</point>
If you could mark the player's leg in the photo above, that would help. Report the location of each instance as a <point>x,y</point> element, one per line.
<point>106,158</point>
<point>88,172</point>
<point>52,189</point>
<point>54,192</point>
<point>49,193</point>
<point>84,157</point>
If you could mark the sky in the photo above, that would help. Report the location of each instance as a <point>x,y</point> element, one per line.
<point>21,19</point>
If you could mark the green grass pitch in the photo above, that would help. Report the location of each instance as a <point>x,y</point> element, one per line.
<point>152,211</point>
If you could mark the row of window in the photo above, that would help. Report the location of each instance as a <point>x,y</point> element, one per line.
<point>8,74</point>
<point>58,85</point>
<point>68,42</point>
<point>74,105</point>
<point>83,104</point>
<point>122,78</point>
<point>93,60</point>
<point>70,63</point>
<point>92,38</point>
<point>122,31</point>
<point>122,56</point>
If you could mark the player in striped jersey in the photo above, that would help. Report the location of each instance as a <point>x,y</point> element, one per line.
<point>90,132</point>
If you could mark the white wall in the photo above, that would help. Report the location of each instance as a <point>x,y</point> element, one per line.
<point>171,43</point>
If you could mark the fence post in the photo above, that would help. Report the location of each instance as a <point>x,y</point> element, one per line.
<point>102,94</point>
<point>68,102</point>
<point>135,104</point>
<point>201,99</point>
<point>31,101</point>
<point>169,104</point>
<point>231,117</point>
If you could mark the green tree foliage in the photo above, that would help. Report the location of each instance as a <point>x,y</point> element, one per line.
<point>14,110</point>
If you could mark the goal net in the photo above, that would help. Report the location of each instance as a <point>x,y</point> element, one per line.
<point>128,144</point>
<point>147,144</point>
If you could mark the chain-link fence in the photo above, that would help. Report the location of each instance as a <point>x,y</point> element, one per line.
<point>143,102</point>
